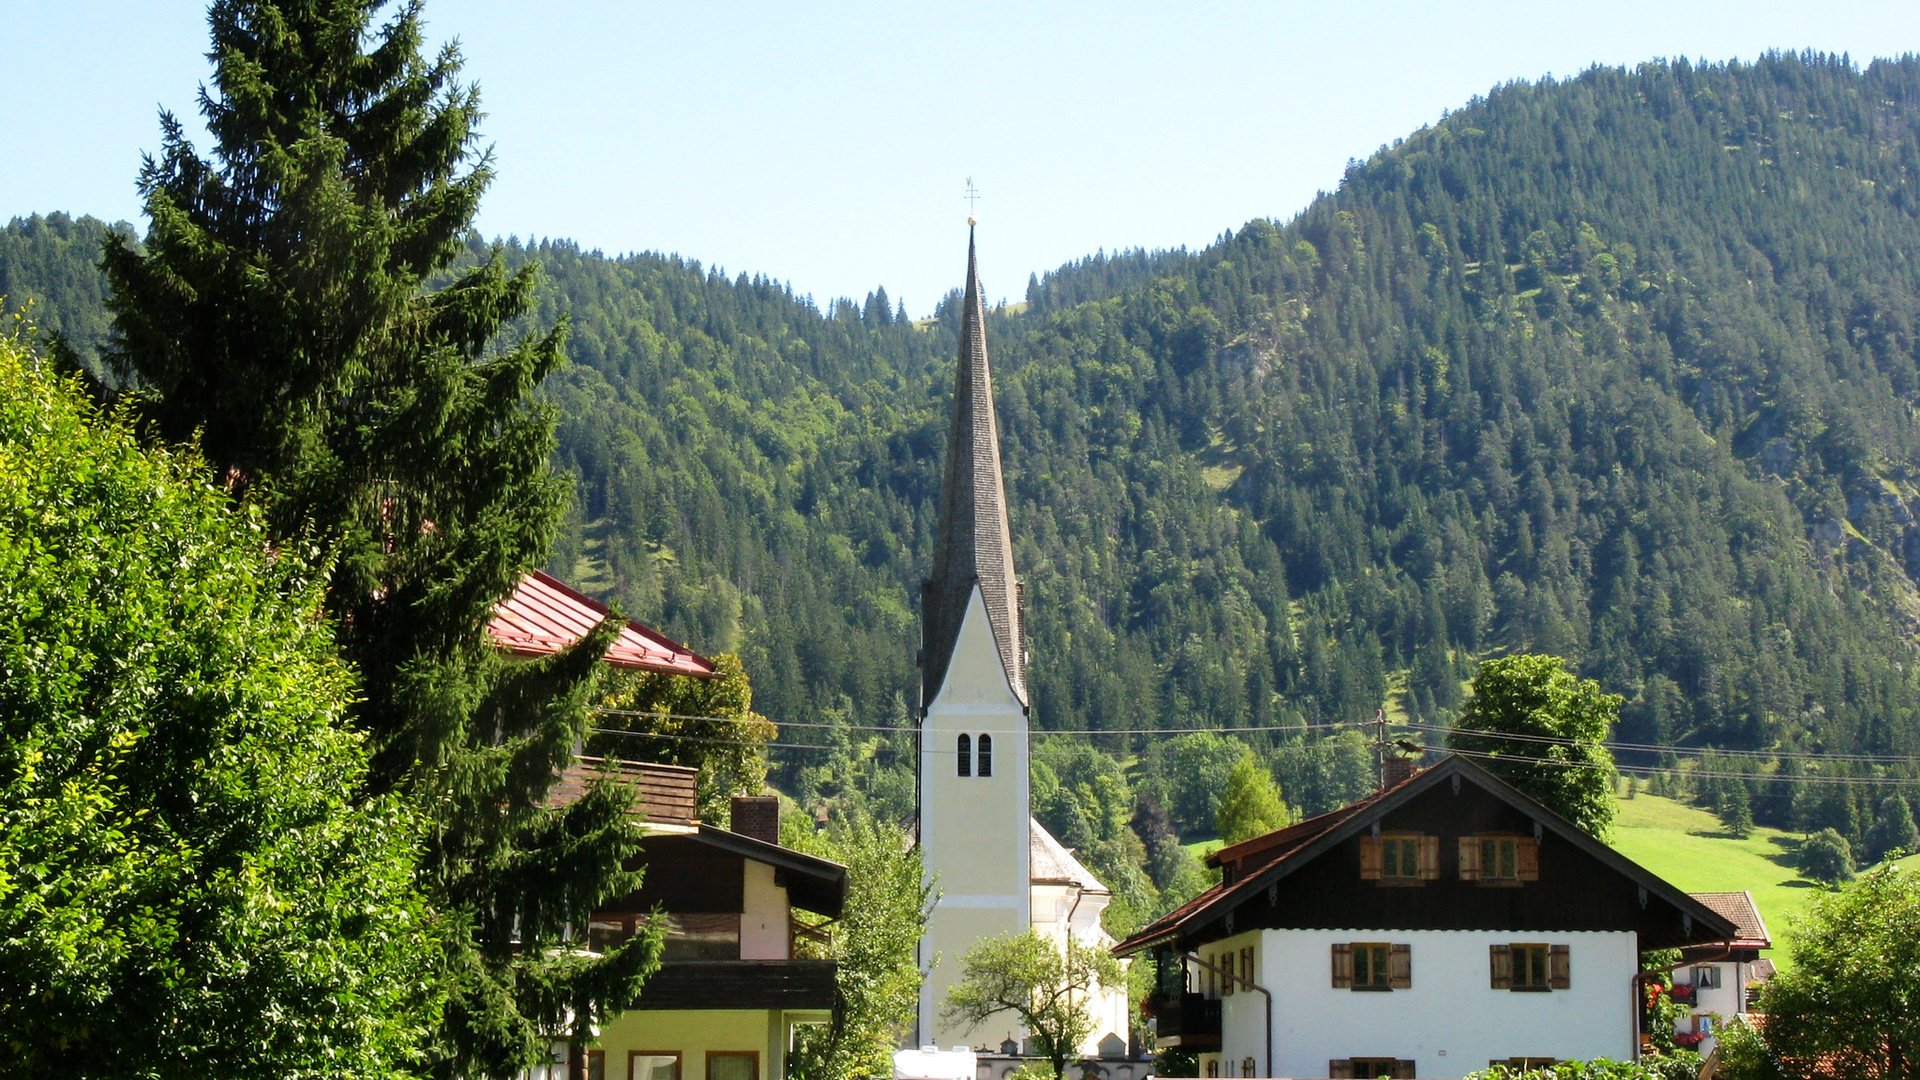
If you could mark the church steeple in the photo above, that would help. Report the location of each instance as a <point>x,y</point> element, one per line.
<point>973,546</point>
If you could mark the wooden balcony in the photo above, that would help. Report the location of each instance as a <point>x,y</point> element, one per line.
<point>1186,1022</point>
<point>749,984</point>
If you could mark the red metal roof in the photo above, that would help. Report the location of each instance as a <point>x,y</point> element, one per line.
<point>543,616</point>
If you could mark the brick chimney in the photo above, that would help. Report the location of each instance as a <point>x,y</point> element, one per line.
<point>757,816</point>
<point>1398,771</point>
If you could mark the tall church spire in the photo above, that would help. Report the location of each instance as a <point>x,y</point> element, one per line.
<point>973,545</point>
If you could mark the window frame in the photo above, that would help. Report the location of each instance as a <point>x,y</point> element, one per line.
<point>983,756</point>
<point>752,1056</point>
<point>963,753</point>
<point>1706,977</point>
<point>1389,966</point>
<point>1496,871</point>
<point>679,1069</point>
<point>1508,971</point>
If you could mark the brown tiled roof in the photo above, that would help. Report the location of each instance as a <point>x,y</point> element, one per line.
<point>662,794</point>
<point>973,544</point>
<point>543,616</point>
<point>1738,908</point>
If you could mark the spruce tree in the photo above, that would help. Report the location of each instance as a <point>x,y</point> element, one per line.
<point>283,309</point>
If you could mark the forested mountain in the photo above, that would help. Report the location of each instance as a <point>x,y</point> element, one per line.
<point>1622,367</point>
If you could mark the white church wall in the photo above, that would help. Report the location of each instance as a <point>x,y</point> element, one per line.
<point>973,829</point>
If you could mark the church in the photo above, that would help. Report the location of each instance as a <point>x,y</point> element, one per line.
<point>995,869</point>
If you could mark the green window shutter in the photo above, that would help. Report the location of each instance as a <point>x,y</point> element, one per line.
<point>1342,966</point>
<point>1500,964</point>
<point>1560,967</point>
<point>1400,967</point>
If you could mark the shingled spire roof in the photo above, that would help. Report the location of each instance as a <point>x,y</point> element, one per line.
<point>973,544</point>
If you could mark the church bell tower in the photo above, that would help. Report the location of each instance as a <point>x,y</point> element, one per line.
<point>973,696</point>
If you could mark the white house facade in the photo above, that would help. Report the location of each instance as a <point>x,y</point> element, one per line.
<point>1441,926</point>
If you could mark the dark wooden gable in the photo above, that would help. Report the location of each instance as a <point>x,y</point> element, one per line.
<point>1315,881</point>
<point>687,876</point>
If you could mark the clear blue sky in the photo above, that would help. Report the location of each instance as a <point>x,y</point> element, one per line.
<point>827,144</point>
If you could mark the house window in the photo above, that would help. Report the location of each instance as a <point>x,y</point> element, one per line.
<point>1213,1068</point>
<point>1370,965</point>
<point>596,1065</point>
<point>653,1065</point>
<point>1369,1068</point>
<point>1246,1066</point>
<point>1524,1063</point>
<point>986,755</point>
<point>1499,860</point>
<point>733,1065</point>
<point>963,749</point>
<point>1530,967</point>
<point>1706,977</point>
<point>1400,858</point>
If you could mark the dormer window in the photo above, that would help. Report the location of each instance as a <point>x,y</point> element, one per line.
<point>963,748</point>
<point>986,754</point>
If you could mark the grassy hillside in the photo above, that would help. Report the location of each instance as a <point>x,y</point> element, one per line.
<point>1689,847</point>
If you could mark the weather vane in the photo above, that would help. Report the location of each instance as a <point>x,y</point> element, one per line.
<point>973,199</point>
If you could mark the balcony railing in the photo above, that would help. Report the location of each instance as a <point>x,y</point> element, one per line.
<point>744,984</point>
<point>1186,1021</point>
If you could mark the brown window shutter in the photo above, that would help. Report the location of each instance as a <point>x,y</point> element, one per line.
<point>1430,858</point>
<point>1400,967</point>
<point>1560,967</point>
<point>1403,1069</point>
<point>1469,858</point>
<point>1246,966</point>
<point>1342,966</point>
<point>1500,964</point>
<point>1225,963</point>
<point>1529,859</point>
<point>1369,858</point>
<point>1340,1069</point>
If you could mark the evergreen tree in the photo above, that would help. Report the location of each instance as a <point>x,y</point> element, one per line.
<point>282,309</point>
<point>1893,831</point>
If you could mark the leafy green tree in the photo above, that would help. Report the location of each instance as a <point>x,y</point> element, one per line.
<point>284,309</point>
<point>1042,986</point>
<point>1893,831</point>
<point>708,724</point>
<point>876,946</point>
<point>1539,727</point>
<point>1826,857</point>
<point>1743,1054</point>
<point>1250,805</point>
<point>1849,998</point>
<point>187,884</point>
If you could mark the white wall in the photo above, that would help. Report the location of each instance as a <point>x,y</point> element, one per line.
<point>1450,1022</point>
<point>973,829</point>
<point>763,917</point>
